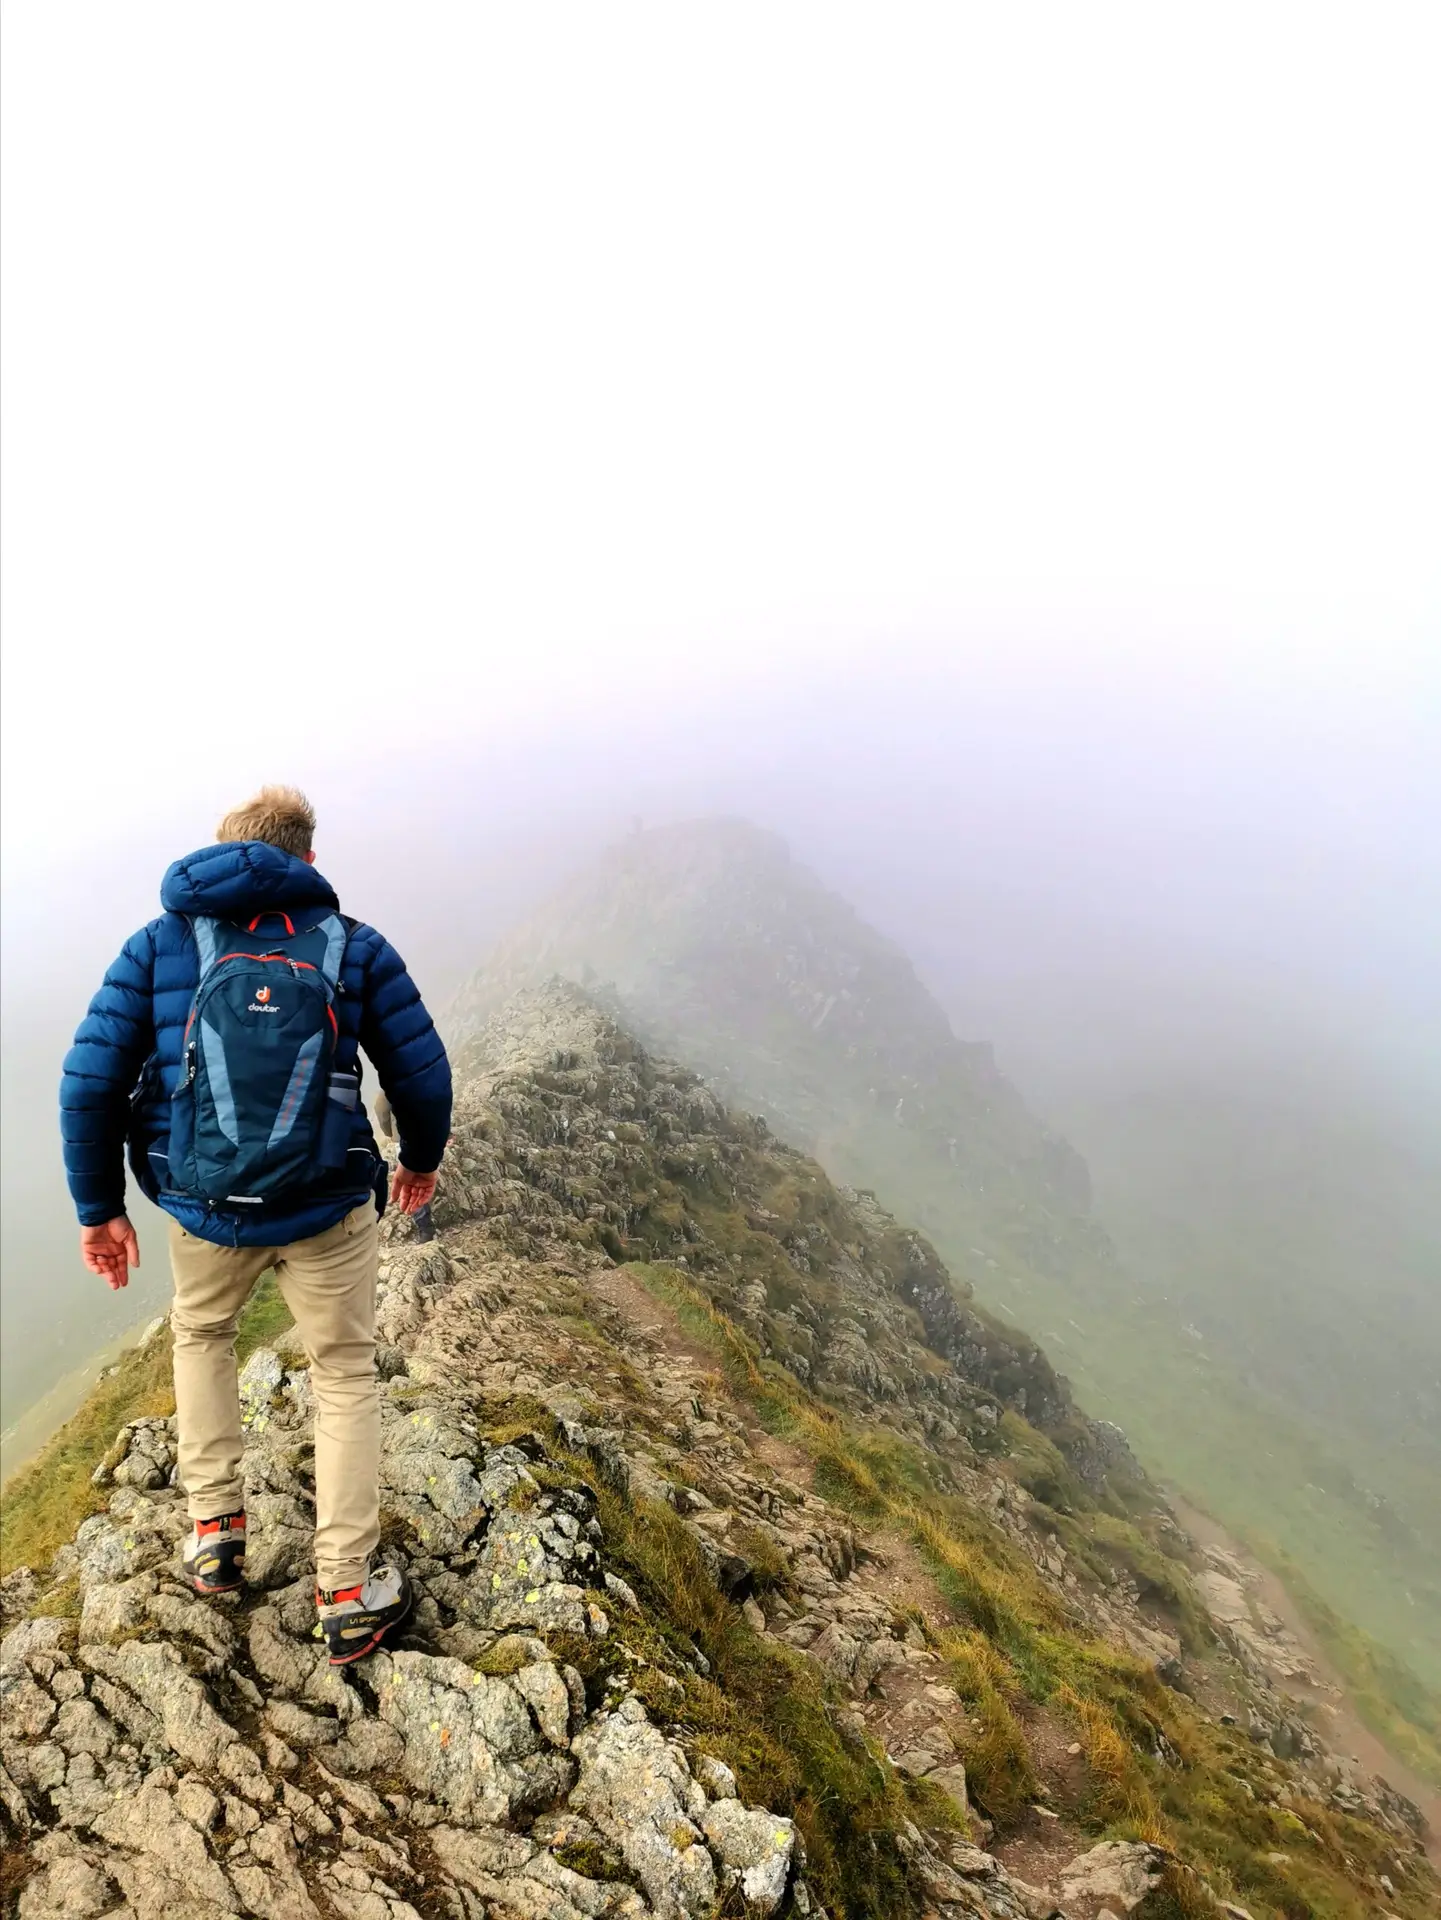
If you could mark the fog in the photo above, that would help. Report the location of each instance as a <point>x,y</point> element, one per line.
<point>997,454</point>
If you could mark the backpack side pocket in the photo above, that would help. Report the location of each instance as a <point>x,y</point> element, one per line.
<point>342,1102</point>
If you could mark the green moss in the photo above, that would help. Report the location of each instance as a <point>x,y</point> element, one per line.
<point>508,1655</point>
<point>46,1501</point>
<point>770,1568</point>
<point>1039,1466</point>
<point>762,1708</point>
<point>263,1320</point>
<point>594,1861</point>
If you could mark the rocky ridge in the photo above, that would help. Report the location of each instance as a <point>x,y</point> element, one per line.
<point>715,946</point>
<point>602,1535</point>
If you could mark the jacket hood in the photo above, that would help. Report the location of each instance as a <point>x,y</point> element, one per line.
<point>237,878</point>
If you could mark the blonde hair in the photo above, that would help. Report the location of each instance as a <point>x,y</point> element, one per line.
<point>280,815</point>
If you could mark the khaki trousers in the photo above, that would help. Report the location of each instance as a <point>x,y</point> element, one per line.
<point>328,1283</point>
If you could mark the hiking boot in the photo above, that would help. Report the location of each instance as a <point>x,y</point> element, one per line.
<point>214,1555</point>
<point>354,1620</point>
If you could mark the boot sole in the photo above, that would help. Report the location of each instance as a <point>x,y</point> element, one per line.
<point>230,1586</point>
<point>360,1653</point>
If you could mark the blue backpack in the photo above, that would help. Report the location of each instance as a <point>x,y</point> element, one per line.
<point>260,1111</point>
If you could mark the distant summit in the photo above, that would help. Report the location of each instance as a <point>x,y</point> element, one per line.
<point>718,947</point>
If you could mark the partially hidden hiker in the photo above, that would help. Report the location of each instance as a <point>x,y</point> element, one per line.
<point>224,1049</point>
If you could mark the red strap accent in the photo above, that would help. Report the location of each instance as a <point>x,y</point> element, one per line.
<point>284,959</point>
<point>270,913</point>
<point>235,1522</point>
<point>340,1593</point>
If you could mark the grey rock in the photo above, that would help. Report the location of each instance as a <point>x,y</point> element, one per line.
<point>31,1636</point>
<point>81,1728</point>
<point>444,1483</point>
<point>299,1728</point>
<point>280,1539</point>
<point>174,1864</point>
<point>368,1746</point>
<point>69,1886</point>
<point>261,1380</point>
<point>716,1777</point>
<point>619,1590</point>
<point>466,1734</point>
<point>521,1878</point>
<point>46,1765</point>
<point>280,1660</point>
<point>364,1800</point>
<point>951,1780</point>
<point>112,1609</point>
<point>266,1872</point>
<point>14,1814</point>
<point>197,1804</point>
<point>26,1709</point>
<point>191,1619</point>
<point>545,1692</point>
<point>126,1711</point>
<point>633,1785</point>
<point>155,1675</point>
<point>106,1552</point>
<point>142,1470</point>
<point>18,1592</point>
<point>756,1850</point>
<point>1122,1872</point>
<point>240,1765</point>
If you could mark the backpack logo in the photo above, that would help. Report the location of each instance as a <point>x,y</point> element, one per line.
<point>262,993</point>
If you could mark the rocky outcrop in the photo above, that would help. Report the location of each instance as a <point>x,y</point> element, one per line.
<point>571,1133</point>
<point>175,1759</point>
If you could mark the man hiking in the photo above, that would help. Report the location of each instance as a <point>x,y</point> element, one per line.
<point>224,1047</point>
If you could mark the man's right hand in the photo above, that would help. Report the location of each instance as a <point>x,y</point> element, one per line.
<point>409,1191</point>
<point>110,1250</point>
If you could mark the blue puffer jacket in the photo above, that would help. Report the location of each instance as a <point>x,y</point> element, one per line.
<point>125,1063</point>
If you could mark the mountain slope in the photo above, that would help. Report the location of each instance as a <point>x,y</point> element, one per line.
<point>711,942</point>
<point>700,1628</point>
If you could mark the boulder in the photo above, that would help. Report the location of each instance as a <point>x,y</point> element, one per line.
<point>1121,1872</point>
<point>154,1675</point>
<point>635,1786</point>
<point>756,1851</point>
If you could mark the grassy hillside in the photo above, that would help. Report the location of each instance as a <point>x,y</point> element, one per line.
<point>1277,1367</point>
<point>47,1499</point>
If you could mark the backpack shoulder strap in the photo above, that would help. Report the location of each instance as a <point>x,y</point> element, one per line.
<point>337,928</point>
<point>207,942</point>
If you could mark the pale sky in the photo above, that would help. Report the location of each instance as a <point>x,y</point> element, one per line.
<point>457,368</point>
<point>995,445</point>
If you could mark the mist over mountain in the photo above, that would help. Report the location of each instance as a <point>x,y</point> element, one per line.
<point>1268,1334</point>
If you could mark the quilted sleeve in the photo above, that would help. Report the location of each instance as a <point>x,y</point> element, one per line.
<point>113,1042</point>
<point>400,1038</point>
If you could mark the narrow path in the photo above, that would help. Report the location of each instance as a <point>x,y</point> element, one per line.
<point>890,1567</point>
<point>1342,1726</point>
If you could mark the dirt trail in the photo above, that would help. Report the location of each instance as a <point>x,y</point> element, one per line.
<point>1339,1723</point>
<point>890,1565</point>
